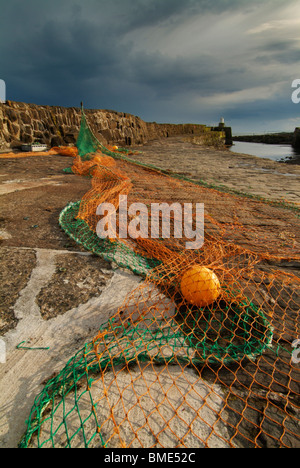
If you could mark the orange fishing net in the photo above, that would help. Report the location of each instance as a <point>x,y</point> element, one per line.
<point>165,369</point>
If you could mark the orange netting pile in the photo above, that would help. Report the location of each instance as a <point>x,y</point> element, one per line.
<point>167,370</point>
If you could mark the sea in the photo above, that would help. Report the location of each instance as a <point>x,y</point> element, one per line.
<point>279,153</point>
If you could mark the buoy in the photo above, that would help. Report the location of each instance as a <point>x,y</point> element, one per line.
<point>98,159</point>
<point>200,286</point>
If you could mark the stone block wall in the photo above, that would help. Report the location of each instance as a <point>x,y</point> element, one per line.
<point>22,123</point>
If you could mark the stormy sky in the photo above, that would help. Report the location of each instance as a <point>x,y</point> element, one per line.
<point>163,60</point>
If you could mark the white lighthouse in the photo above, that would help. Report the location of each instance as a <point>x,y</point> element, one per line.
<point>222,123</point>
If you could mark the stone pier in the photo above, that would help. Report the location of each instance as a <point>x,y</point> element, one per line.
<point>22,123</point>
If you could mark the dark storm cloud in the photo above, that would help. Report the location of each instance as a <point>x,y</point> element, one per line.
<point>281,51</point>
<point>171,75</point>
<point>145,12</point>
<point>161,59</point>
<point>62,54</point>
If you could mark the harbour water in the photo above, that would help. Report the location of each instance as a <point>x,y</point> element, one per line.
<point>280,153</point>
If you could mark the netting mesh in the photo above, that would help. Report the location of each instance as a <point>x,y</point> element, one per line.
<point>163,371</point>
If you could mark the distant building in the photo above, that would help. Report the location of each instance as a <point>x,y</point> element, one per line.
<point>227,130</point>
<point>222,123</point>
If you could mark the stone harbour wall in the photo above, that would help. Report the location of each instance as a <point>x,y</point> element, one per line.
<point>296,139</point>
<point>22,123</point>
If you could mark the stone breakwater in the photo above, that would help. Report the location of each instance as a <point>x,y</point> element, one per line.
<point>296,138</point>
<point>283,138</point>
<point>22,123</point>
